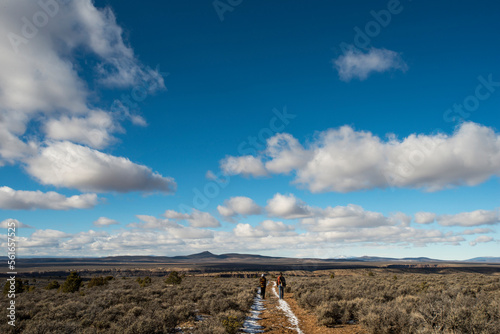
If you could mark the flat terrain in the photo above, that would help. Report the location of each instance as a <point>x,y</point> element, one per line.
<point>208,263</point>
<point>217,294</point>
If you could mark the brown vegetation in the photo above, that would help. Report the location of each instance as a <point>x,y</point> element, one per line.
<point>376,300</point>
<point>404,303</point>
<point>127,306</point>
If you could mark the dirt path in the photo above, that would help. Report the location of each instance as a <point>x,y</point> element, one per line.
<point>275,319</point>
<point>286,317</point>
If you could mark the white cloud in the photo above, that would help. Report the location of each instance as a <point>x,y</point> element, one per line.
<point>395,235</point>
<point>481,239</point>
<point>425,217</point>
<point>42,80</point>
<point>400,218</point>
<point>273,226</point>
<point>202,219</point>
<point>265,229</point>
<point>104,221</point>
<point>477,231</point>
<point>287,207</point>
<point>94,130</point>
<point>245,165</point>
<point>345,160</point>
<point>171,214</point>
<point>286,154</point>
<point>43,239</point>
<point>356,64</point>
<point>196,218</point>
<point>64,164</point>
<point>11,199</point>
<point>174,229</point>
<point>209,175</point>
<point>12,148</point>
<point>151,222</point>
<point>239,205</point>
<point>49,234</point>
<point>473,218</point>
<point>351,216</point>
<point>247,231</point>
<point>191,233</point>
<point>17,224</point>
<point>80,240</point>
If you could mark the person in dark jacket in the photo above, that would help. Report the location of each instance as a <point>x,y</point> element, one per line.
<point>263,283</point>
<point>281,285</point>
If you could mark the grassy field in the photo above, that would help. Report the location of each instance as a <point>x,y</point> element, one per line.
<point>381,300</point>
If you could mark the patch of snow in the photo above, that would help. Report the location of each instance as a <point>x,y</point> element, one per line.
<point>292,318</point>
<point>250,325</point>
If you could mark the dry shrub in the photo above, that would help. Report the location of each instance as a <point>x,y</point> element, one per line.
<point>209,326</point>
<point>97,281</point>
<point>412,303</point>
<point>53,285</point>
<point>232,320</point>
<point>123,307</point>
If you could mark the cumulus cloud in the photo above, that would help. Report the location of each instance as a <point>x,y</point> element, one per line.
<point>64,164</point>
<point>473,218</point>
<point>202,219</point>
<point>93,130</point>
<point>247,231</point>
<point>11,199</point>
<point>345,160</point>
<point>356,64</point>
<point>151,222</point>
<point>239,205</point>
<point>265,229</point>
<point>197,218</point>
<point>425,217</point>
<point>174,229</point>
<point>481,239</point>
<point>8,223</point>
<point>172,214</point>
<point>245,165</point>
<point>477,231</point>
<point>36,75</point>
<point>43,239</point>
<point>104,221</point>
<point>274,226</point>
<point>391,235</point>
<point>287,207</point>
<point>44,84</point>
<point>350,216</point>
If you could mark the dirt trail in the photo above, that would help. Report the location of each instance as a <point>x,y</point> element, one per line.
<point>278,318</point>
<point>275,319</point>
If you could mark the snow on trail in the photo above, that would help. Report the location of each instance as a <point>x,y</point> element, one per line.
<point>292,318</point>
<point>250,325</point>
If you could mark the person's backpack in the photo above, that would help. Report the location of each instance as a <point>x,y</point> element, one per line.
<point>283,281</point>
<point>263,282</point>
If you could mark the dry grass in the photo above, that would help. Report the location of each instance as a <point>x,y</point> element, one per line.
<point>127,306</point>
<point>404,303</point>
<point>384,302</point>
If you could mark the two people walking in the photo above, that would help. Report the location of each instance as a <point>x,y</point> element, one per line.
<point>281,282</point>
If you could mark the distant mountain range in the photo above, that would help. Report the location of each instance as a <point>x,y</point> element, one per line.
<point>485,259</point>
<point>205,257</point>
<point>206,263</point>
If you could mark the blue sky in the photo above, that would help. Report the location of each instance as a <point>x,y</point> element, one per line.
<point>321,129</point>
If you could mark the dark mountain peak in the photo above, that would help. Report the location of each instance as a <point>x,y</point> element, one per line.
<point>203,255</point>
